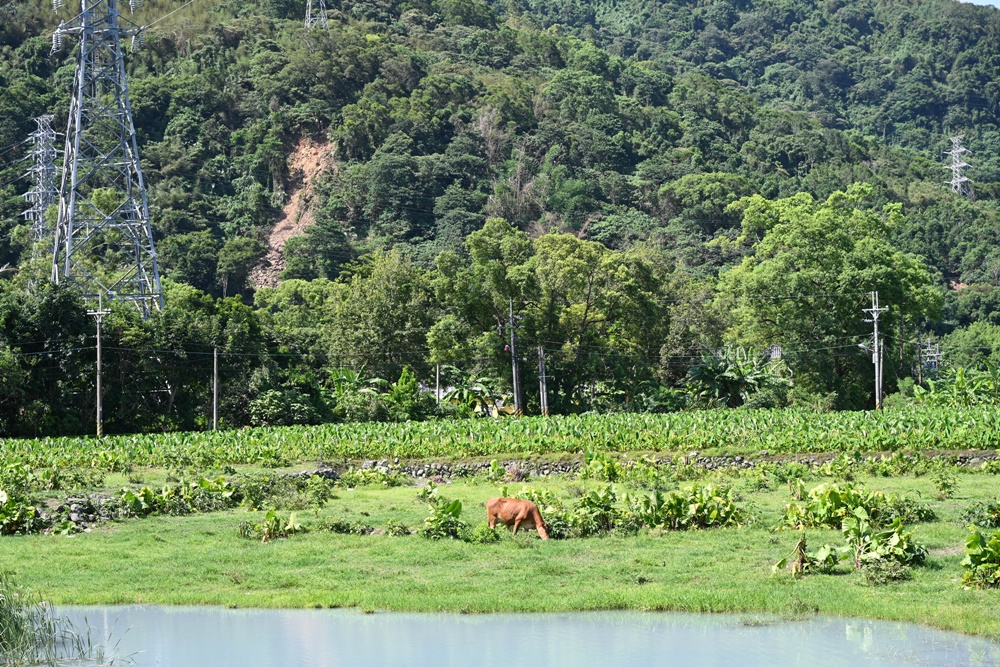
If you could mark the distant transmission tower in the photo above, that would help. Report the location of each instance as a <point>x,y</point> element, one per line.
<point>316,14</point>
<point>42,194</point>
<point>103,239</point>
<point>959,181</point>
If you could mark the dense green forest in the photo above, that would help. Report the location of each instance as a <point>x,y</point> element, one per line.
<point>660,192</point>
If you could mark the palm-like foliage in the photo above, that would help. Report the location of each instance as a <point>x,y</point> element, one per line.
<point>962,387</point>
<point>730,376</point>
<point>474,390</point>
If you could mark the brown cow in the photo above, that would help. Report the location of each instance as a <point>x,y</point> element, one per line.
<point>517,513</point>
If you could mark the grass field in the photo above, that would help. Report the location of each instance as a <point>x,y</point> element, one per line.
<point>198,559</point>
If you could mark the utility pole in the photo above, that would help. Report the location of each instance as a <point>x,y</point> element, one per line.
<point>316,14</point>
<point>543,390</point>
<point>215,389</point>
<point>877,347</point>
<point>99,316</point>
<point>42,194</point>
<point>437,383</point>
<point>103,205</point>
<point>959,181</point>
<point>515,367</point>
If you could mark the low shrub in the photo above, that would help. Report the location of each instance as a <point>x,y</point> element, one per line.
<point>396,529</point>
<point>981,564</point>
<point>647,474</point>
<point>985,514</point>
<point>371,477</point>
<point>482,534</point>
<point>19,515</point>
<point>944,483</point>
<point>882,572</point>
<point>345,527</point>
<point>271,527</point>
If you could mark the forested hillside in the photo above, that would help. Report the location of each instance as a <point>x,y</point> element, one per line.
<point>654,188</point>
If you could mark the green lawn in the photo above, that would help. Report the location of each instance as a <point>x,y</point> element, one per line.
<point>199,559</point>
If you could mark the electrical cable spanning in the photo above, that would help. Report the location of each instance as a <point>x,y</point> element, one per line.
<point>959,181</point>
<point>103,238</point>
<point>43,174</point>
<point>316,14</point>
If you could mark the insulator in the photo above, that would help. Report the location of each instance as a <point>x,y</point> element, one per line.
<point>57,41</point>
<point>57,5</point>
<point>134,5</point>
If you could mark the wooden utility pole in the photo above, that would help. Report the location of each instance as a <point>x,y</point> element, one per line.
<point>543,391</point>
<point>215,389</point>
<point>99,317</point>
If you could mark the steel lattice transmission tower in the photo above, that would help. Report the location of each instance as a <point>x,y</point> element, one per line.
<point>42,194</point>
<point>103,239</point>
<point>959,181</point>
<point>316,14</point>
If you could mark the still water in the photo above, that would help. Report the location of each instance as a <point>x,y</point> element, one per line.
<point>213,637</point>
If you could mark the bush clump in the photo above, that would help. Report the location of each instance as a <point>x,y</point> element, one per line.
<point>982,559</point>
<point>883,572</point>
<point>828,505</point>
<point>271,527</point>
<point>985,514</point>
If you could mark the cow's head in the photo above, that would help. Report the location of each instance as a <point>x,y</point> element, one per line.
<point>543,531</point>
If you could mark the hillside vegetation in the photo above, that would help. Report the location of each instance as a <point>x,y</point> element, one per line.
<point>658,191</point>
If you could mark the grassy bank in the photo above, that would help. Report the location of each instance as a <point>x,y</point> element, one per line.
<point>714,431</point>
<point>198,559</point>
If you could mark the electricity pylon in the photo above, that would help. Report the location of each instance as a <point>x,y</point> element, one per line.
<point>959,181</point>
<point>43,176</point>
<point>316,14</point>
<point>103,239</point>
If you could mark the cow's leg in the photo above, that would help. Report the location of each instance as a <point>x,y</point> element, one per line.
<point>517,523</point>
<point>491,519</point>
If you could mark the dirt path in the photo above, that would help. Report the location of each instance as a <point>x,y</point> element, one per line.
<point>306,162</point>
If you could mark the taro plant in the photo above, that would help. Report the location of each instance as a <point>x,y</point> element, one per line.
<point>595,512</point>
<point>830,504</point>
<point>600,466</point>
<point>271,527</point>
<point>691,508</point>
<point>871,544</point>
<point>981,564</point>
<point>802,561</point>
<point>445,520</point>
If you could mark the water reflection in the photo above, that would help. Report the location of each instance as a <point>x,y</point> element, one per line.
<point>197,637</point>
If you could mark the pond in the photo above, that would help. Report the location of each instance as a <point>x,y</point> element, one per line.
<point>214,637</point>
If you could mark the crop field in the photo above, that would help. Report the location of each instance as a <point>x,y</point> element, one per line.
<point>715,431</point>
<point>889,523</point>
